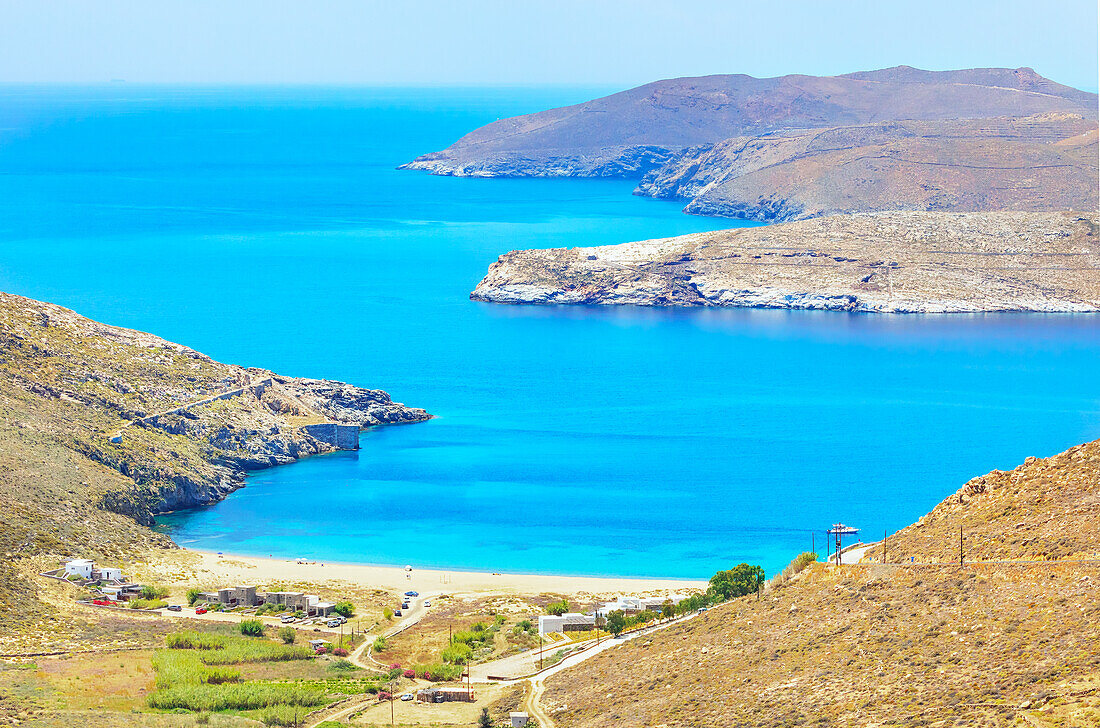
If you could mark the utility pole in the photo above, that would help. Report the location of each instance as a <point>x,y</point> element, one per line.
<point>391,703</point>
<point>960,546</point>
<point>813,544</point>
<point>884,547</point>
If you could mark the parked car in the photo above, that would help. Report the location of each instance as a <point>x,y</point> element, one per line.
<point>404,605</point>
<point>397,612</point>
<point>200,610</point>
<point>427,604</point>
<point>407,696</point>
<point>412,594</point>
<point>175,608</point>
<point>333,623</point>
<point>287,619</point>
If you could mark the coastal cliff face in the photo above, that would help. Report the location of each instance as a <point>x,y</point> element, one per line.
<point>100,425</point>
<point>1045,162</point>
<point>898,262</point>
<point>802,146</point>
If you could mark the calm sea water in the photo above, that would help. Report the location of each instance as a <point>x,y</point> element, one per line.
<point>268,227</point>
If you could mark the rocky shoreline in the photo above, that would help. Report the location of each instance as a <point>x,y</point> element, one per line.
<point>115,421</point>
<point>897,262</point>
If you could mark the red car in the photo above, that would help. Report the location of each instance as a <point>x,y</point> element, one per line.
<point>200,610</point>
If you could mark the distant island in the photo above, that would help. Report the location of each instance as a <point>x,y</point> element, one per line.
<point>887,262</point>
<point>796,147</point>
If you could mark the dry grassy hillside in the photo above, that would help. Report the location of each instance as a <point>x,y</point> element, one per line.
<point>69,385</point>
<point>878,645</point>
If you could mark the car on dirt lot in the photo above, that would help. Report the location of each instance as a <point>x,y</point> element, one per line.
<point>175,608</point>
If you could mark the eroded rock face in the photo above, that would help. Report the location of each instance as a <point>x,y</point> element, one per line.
<point>1045,162</point>
<point>175,428</point>
<point>899,262</point>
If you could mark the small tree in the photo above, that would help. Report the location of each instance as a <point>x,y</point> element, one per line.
<point>557,608</point>
<point>668,609</point>
<point>484,720</point>
<point>193,595</point>
<point>344,609</point>
<point>287,635</point>
<point>616,622</point>
<point>736,582</point>
<point>387,613</point>
<point>252,628</point>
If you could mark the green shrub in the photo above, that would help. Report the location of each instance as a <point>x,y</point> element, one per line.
<point>379,645</point>
<point>194,641</point>
<point>193,595</point>
<point>288,635</point>
<point>344,609</point>
<point>557,608</point>
<point>146,604</point>
<point>439,672</point>
<point>457,654</point>
<point>251,628</point>
<point>387,613</point>
<point>152,592</point>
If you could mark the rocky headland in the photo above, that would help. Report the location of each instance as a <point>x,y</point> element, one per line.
<point>796,147</point>
<point>103,427</point>
<point>889,262</point>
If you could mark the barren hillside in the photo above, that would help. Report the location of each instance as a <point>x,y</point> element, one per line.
<point>874,645</point>
<point>896,262</point>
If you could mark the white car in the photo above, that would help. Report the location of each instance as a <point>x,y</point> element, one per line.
<point>407,696</point>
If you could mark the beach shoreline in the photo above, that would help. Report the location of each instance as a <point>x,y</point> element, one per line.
<point>191,566</point>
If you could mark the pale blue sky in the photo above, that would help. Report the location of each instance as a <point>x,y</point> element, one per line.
<point>518,41</point>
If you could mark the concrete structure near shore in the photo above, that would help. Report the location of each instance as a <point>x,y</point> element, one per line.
<point>248,596</point>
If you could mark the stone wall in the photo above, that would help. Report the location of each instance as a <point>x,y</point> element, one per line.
<point>342,437</point>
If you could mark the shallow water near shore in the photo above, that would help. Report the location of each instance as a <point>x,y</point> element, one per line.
<point>268,227</point>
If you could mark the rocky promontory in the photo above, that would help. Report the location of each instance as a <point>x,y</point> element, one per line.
<point>795,147</point>
<point>102,427</point>
<point>890,262</point>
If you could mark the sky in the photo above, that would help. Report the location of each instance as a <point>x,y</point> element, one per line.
<point>476,42</point>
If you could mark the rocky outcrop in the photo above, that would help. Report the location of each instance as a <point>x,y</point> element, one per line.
<point>177,428</point>
<point>795,147</point>
<point>900,262</point>
<point>1046,162</point>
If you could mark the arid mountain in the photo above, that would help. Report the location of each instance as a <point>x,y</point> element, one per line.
<point>102,427</point>
<point>992,644</point>
<point>1045,162</point>
<point>629,133</point>
<point>889,262</point>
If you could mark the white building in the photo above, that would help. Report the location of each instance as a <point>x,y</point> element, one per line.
<point>79,567</point>
<point>110,573</point>
<point>631,605</point>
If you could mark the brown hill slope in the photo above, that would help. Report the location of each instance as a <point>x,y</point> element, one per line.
<point>1046,162</point>
<point>875,645</point>
<point>629,133</point>
<point>68,385</point>
<point>882,262</point>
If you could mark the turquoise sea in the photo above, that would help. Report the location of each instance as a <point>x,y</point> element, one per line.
<point>268,227</point>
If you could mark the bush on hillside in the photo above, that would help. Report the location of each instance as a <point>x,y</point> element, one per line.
<point>252,628</point>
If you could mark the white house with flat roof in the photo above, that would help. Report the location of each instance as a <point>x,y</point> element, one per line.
<point>80,567</point>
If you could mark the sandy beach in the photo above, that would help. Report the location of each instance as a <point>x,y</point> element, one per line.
<point>208,568</point>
